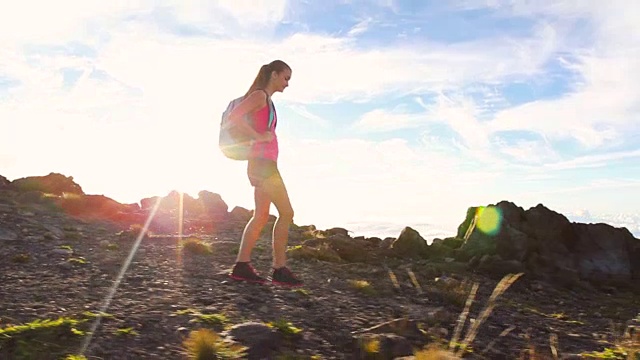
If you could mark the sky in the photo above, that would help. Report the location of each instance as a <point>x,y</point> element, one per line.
<point>398,113</point>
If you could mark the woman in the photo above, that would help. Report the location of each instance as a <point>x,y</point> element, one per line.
<point>264,176</point>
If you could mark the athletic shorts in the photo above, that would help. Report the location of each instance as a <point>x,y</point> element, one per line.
<point>259,170</point>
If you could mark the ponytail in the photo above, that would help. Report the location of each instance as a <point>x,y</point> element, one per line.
<point>262,79</point>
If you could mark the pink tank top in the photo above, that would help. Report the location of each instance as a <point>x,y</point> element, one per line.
<point>265,150</point>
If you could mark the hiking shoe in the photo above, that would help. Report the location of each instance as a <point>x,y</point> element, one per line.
<point>284,276</point>
<point>243,271</point>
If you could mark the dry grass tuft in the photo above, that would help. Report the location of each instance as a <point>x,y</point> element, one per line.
<point>204,344</point>
<point>196,246</point>
<point>363,287</point>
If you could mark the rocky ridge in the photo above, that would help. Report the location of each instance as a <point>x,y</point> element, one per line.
<point>64,249</point>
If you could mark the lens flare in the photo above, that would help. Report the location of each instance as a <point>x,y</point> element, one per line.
<point>116,284</point>
<point>489,219</point>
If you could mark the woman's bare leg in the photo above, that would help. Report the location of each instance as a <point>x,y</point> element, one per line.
<point>276,191</point>
<point>254,226</point>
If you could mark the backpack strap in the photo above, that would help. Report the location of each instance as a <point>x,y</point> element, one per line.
<point>271,110</point>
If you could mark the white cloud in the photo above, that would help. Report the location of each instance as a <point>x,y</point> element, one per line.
<point>332,69</point>
<point>325,68</point>
<point>601,109</point>
<point>461,114</point>
<point>302,111</point>
<point>56,23</point>
<point>380,120</point>
<point>32,21</point>
<point>249,15</point>
<point>529,152</point>
<point>592,114</point>
<point>600,160</point>
<point>361,27</point>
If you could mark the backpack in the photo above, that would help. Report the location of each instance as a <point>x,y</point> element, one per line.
<point>232,142</point>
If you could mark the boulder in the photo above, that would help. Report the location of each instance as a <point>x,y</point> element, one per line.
<point>441,249</point>
<point>545,243</point>
<point>148,203</point>
<point>240,214</point>
<point>555,237</point>
<point>606,252</point>
<point>259,339</point>
<point>213,205</point>
<point>171,204</point>
<point>410,244</point>
<point>348,249</point>
<point>54,183</point>
<point>333,231</point>
<point>99,207</point>
<point>321,252</point>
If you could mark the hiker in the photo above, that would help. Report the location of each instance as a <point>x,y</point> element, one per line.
<point>262,170</point>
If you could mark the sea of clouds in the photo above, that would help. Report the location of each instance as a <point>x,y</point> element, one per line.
<point>431,231</point>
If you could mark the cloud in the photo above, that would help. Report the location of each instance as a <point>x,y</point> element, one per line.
<point>38,22</point>
<point>591,161</point>
<point>381,120</point>
<point>360,28</point>
<point>370,73</point>
<point>33,21</point>
<point>592,113</point>
<point>326,69</point>
<point>529,152</point>
<point>593,185</point>
<point>461,114</point>
<point>304,112</point>
<point>248,16</point>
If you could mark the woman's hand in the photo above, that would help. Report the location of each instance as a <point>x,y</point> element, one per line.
<point>265,137</point>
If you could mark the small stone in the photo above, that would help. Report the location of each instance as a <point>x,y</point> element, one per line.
<point>536,286</point>
<point>55,231</point>
<point>442,332</point>
<point>8,235</point>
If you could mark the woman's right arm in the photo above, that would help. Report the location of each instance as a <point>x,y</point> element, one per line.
<point>251,103</point>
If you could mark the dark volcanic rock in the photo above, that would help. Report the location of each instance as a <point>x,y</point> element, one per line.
<point>551,246</point>
<point>213,205</point>
<point>260,339</point>
<point>54,183</point>
<point>410,244</point>
<point>4,182</point>
<point>606,253</point>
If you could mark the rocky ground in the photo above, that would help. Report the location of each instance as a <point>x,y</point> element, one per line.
<point>55,266</point>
